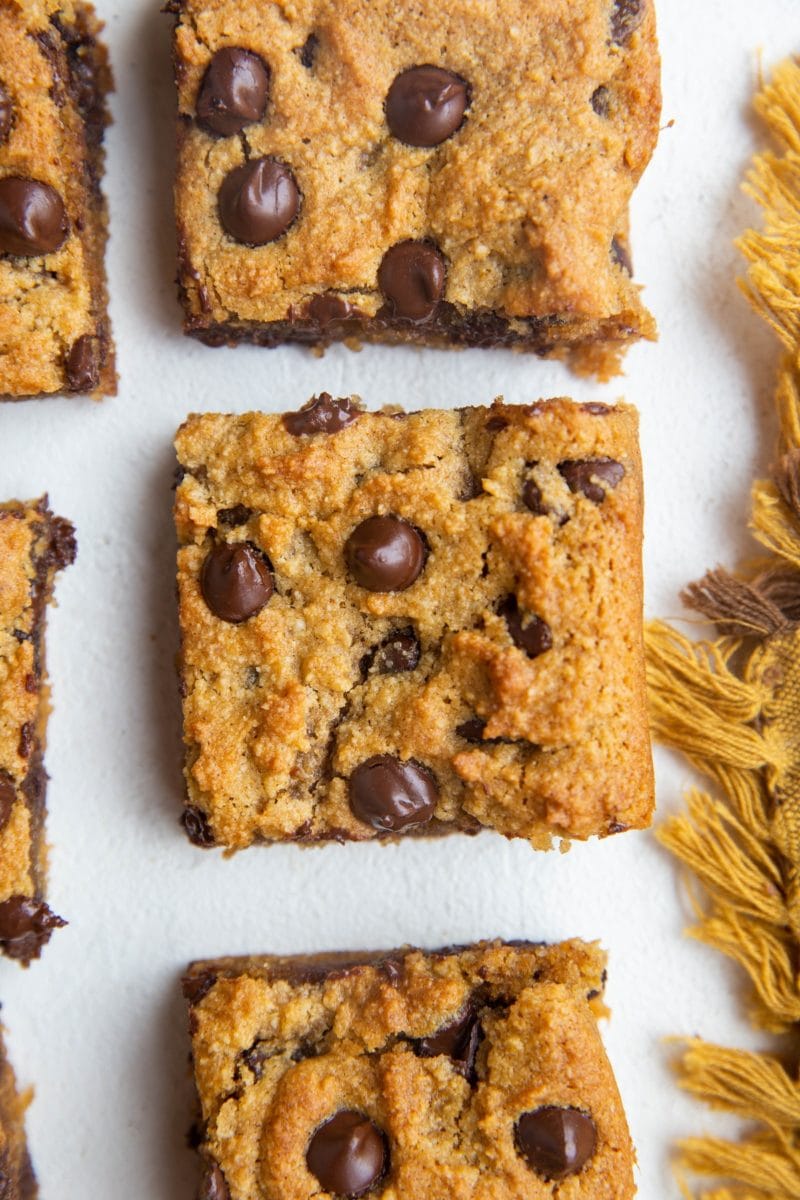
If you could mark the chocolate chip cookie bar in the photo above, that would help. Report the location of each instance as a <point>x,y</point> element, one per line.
<point>412,623</point>
<point>472,1072</point>
<point>17,1181</point>
<point>34,545</point>
<point>54,77</point>
<point>402,172</point>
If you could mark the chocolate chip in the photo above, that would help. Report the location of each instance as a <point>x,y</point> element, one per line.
<point>63,543</point>
<point>626,19</point>
<point>556,1142</point>
<point>234,91</point>
<point>621,255</point>
<point>198,830</point>
<point>328,307</point>
<point>258,201</point>
<point>214,1186</point>
<point>33,219</point>
<point>426,105</point>
<point>618,827</point>
<point>8,796</point>
<point>471,730</point>
<point>308,51</point>
<point>582,475</point>
<point>236,581</point>
<point>532,498</point>
<point>392,795</point>
<point>459,1041</point>
<point>323,414</point>
<point>196,987</point>
<point>25,926</point>
<point>348,1154</point>
<point>601,101</point>
<point>400,651</point>
<point>596,408</point>
<point>412,278</point>
<point>26,739</point>
<point>82,365</point>
<point>496,424</point>
<point>232,518</point>
<point>385,554</point>
<point>6,114</point>
<point>531,635</point>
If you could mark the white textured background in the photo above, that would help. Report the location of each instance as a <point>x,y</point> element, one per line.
<point>98,1024</point>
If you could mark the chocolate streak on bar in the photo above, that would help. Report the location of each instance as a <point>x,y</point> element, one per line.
<point>57,537</point>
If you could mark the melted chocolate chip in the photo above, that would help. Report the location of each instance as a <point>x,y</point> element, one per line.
<point>392,795</point>
<point>196,987</point>
<point>198,830</point>
<point>621,255</point>
<point>626,19</point>
<point>532,498</point>
<point>308,51</point>
<point>426,105</point>
<point>6,114</point>
<point>348,1154</point>
<point>601,101</point>
<point>258,201</point>
<point>25,926</point>
<point>236,581</point>
<point>400,651</point>
<point>214,1186</point>
<point>582,476</point>
<point>496,424</point>
<point>531,634</point>
<point>26,739</point>
<point>471,730</point>
<point>412,277</point>
<point>33,219</point>
<point>82,365</point>
<point>7,798</point>
<point>234,91</point>
<point>63,543</point>
<point>232,518</point>
<point>459,1041</point>
<point>385,554</point>
<point>556,1142</point>
<point>323,414</point>
<point>596,408</point>
<point>328,307</point>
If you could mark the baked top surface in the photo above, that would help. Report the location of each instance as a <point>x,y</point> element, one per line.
<point>34,545</point>
<point>523,199</point>
<point>280,1046</point>
<point>54,75</point>
<point>282,709</point>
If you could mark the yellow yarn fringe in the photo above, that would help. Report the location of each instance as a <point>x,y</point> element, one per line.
<point>732,706</point>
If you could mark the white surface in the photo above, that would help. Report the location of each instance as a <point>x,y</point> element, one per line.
<point>98,1024</point>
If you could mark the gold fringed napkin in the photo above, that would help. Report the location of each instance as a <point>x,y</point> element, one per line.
<point>733,707</point>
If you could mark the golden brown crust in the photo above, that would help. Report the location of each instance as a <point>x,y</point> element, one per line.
<point>55,70</point>
<point>524,201</point>
<point>280,1045</point>
<point>17,1181</point>
<point>277,711</point>
<point>34,546</point>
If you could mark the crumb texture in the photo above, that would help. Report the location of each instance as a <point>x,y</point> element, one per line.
<point>441,1053</point>
<point>505,674</point>
<point>514,194</point>
<point>54,77</point>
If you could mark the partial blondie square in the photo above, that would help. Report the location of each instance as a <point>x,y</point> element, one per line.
<point>54,78</point>
<point>34,546</point>
<point>412,623</point>
<point>17,1180</point>
<point>385,170</point>
<point>472,1073</point>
